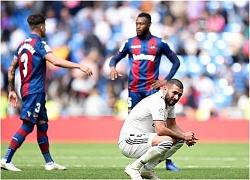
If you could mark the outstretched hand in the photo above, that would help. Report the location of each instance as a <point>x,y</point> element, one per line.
<point>86,70</point>
<point>13,99</point>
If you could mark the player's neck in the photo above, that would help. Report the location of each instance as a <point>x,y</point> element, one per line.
<point>38,33</point>
<point>145,36</point>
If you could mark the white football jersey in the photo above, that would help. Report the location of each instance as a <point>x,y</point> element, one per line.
<point>140,119</point>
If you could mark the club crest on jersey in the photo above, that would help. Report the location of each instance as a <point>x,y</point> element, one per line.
<point>29,113</point>
<point>161,111</point>
<point>152,46</point>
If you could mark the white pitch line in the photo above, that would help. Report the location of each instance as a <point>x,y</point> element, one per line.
<point>121,166</point>
<point>176,158</point>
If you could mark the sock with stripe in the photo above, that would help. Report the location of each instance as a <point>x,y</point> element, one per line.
<point>17,140</point>
<point>154,162</point>
<point>166,156</point>
<point>43,142</point>
<point>174,148</point>
<point>152,154</point>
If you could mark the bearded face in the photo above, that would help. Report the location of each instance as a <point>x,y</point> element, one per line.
<point>173,95</point>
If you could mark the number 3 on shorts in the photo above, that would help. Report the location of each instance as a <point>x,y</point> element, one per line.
<point>38,106</point>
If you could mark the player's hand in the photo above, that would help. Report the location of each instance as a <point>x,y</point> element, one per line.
<point>86,70</point>
<point>158,83</point>
<point>13,99</point>
<point>188,136</point>
<point>191,142</point>
<point>190,139</point>
<point>114,73</point>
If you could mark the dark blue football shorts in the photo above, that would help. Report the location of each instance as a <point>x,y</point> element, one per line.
<point>33,108</point>
<point>135,97</point>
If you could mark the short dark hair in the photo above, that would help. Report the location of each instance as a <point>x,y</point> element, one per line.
<point>146,15</point>
<point>176,82</point>
<point>36,19</point>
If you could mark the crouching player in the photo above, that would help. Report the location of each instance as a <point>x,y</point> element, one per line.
<point>150,132</point>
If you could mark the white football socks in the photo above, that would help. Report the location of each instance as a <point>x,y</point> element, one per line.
<point>169,153</point>
<point>154,153</point>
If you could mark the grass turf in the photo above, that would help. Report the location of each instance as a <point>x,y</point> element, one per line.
<point>104,161</point>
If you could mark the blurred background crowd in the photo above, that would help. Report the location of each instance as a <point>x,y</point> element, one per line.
<point>211,38</point>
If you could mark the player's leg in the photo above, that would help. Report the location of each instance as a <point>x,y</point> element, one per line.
<point>133,99</point>
<point>43,142</point>
<point>43,139</point>
<point>134,146</point>
<point>152,154</point>
<point>168,154</point>
<point>141,147</point>
<point>147,171</point>
<point>16,141</point>
<point>169,164</point>
<point>19,137</point>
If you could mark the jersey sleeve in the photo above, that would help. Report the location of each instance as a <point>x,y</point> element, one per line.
<point>171,113</point>
<point>123,51</point>
<point>16,54</point>
<point>157,110</point>
<point>172,57</point>
<point>44,49</point>
<point>166,49</point>
<point>17,50</point>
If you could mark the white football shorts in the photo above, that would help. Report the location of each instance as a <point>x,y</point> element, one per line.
<point>135,145</point>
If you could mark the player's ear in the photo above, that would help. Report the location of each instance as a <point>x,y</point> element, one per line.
<point>42,27</point>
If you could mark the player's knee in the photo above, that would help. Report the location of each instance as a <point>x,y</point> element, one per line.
<point>159,139</point>
<point>179,144</point>
<point>165,146</point>
<point>27,126</point>
<point>42,127</point>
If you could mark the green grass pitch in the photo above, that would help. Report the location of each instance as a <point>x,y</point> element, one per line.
<point>104,161</point>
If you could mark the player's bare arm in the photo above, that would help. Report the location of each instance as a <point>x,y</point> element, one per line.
<point>162,130</point>
<point>171,123</point>
<point>86,70</point>
<point>67,64</point>
<point>13,99</point>
<point>11,73</point>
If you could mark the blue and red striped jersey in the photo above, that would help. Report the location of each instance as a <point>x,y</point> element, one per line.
<point>144,60</point>
<point>32,64</point>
